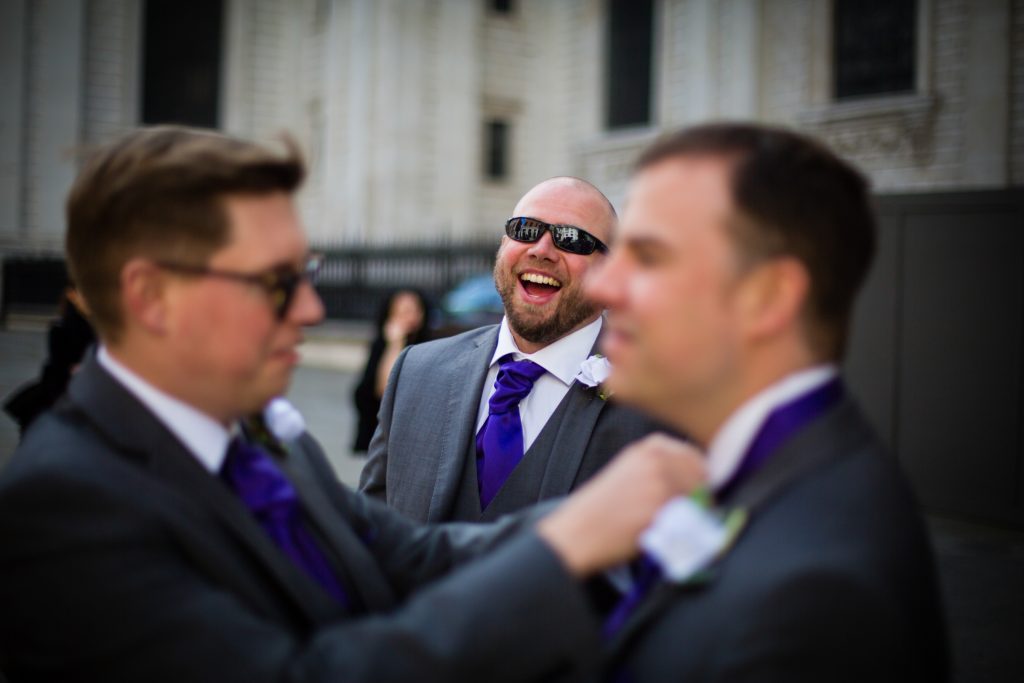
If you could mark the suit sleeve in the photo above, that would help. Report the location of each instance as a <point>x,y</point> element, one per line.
<point>92,582</point>
<point>373,478</point>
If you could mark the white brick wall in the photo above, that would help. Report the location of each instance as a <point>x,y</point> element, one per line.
<point>112,64</point>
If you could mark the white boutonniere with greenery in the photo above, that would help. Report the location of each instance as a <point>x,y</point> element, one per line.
<point>280,421</point>
<point>688,535</point>
<point>593,373</point>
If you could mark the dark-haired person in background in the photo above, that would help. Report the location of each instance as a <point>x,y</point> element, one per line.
<point>67,340</point>
<point>730,292</point>
<point>403,319</point>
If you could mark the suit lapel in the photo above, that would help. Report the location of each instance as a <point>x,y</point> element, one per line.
<point>657,601</point>
<point>582,408</point>
<point>462,404</point>
<point>836,432</point>
<point>139,435</point>
<point>339,541</point>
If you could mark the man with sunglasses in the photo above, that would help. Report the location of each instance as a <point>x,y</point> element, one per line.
<point>149,531</point>
<point>485,423</point>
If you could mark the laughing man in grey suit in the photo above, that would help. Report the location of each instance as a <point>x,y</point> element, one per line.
<point>429,458</point>
<point>729,292</point>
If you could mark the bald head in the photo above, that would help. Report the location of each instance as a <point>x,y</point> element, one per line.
<point>567,194</point>
<point>541,284</point>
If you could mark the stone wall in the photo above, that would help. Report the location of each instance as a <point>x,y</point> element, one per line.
<point>389,99</point>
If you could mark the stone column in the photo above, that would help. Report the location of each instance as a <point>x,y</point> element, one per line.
<point>987,97</point>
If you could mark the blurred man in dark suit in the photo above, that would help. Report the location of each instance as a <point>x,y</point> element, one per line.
<point>730,292</point>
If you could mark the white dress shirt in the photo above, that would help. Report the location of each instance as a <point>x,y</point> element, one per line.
<point>561,361</point>
<point>203,436</point>
<point>734,437</point>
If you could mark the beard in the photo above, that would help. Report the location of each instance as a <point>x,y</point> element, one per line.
<point>534,323</point>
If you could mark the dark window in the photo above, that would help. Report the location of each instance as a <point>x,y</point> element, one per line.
<point>630,34</point>
<point>502,6</point>
<point>874,47</point>
<point>496,145</point>
<point>181,62</point>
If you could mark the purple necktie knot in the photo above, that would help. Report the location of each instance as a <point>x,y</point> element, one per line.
<point>258,481</point>
<point>515,380</point>
<point>499,444</point>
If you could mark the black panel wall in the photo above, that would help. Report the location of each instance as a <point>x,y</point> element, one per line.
<point>937,354</point>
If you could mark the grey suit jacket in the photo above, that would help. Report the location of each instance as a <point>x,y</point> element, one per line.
<point>422,459</point>
<point>121,558</point>
<point>832,580</point>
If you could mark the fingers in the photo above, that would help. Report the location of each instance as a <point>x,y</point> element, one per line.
<point>598,526</point>
<point>684,466</point>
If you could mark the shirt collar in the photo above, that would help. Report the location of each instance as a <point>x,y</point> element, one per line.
<point>561,358</point>
<point>203,436</point>
<point>733,438</point>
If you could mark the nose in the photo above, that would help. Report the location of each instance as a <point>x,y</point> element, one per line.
<point>603,282</point>
<point>306,308</point>
<point>544,248</point>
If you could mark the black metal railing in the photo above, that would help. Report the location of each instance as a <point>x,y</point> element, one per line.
<point>353,282</point>
<point>33,285</point>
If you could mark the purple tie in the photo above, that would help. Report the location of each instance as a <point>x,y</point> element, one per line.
<point>499,444</point>
<point>270,497</point>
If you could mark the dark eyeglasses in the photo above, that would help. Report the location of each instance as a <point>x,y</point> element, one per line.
<point>279,284</point>
<point>566,237</point>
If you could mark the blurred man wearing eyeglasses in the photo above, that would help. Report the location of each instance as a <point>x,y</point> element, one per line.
<point>149,531</point>
<point>490,421</point>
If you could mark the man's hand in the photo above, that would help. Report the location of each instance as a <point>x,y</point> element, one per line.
<point>598,526</point>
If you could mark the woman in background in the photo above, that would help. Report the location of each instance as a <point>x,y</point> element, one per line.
<point>403,320</point>
<point>68,339</point>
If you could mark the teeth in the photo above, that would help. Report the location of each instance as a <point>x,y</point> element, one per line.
<point>540,279</point>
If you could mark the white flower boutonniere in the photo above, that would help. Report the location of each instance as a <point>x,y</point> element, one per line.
<point>283,420</point>
<point>594,371</point>
<point>687,535</point>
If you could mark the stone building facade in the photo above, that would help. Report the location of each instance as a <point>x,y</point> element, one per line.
<point>401,104</point>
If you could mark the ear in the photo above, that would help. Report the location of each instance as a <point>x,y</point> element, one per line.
<point>774,296</point>
<point>144,295</point>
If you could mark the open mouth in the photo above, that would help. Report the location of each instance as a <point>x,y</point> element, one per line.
<point>539,286</point>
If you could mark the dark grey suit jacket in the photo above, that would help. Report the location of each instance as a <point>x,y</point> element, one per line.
<point>121,558</point>
<point>422,459</point>
<point>832,580</point>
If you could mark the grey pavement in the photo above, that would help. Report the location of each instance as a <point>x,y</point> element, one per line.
<point>981,568</point>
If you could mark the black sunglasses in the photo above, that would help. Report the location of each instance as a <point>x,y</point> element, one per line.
<point>279,284</point>
<point>566,237</point>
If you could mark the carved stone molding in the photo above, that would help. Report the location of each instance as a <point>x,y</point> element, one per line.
<point>894,128</point>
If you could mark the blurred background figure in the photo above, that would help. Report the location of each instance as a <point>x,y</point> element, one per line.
<point>403,319</point>
<point>67,340</point>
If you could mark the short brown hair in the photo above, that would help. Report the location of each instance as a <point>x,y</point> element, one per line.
<point>795,198</point>
<point>158,192</point>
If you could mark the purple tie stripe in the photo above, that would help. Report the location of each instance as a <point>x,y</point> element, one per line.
<point>271,498</point>
<point>499,443</point>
